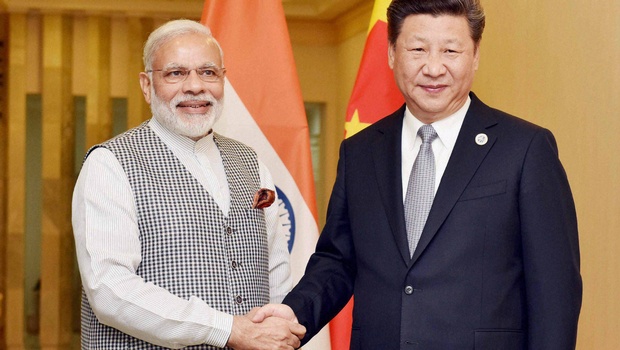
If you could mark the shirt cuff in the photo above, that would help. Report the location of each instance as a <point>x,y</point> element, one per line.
<point>222,327</point>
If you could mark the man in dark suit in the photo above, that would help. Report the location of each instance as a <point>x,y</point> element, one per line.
<point>496,265</point>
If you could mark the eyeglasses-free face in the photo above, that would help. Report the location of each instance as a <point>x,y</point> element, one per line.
<point>434,61</point>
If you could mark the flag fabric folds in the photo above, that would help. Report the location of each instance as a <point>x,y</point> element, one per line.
<point>264,108</point>
<point>375,95</point>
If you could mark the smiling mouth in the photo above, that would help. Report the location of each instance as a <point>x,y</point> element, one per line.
<point>433,88</point>
<point>194,104</point>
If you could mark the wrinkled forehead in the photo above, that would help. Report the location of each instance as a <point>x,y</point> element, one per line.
<point>445,29</point>
<point>190,50</point>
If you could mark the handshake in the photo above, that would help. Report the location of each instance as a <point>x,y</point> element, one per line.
<point>273,326</point>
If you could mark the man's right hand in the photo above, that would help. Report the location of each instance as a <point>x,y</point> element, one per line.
<point>273,333</point>
<point>278,310</point>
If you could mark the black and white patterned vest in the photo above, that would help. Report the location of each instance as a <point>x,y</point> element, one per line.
<point>188,246</point>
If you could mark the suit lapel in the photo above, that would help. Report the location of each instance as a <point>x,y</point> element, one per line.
<point>464,161</point>
<point>387,161</point>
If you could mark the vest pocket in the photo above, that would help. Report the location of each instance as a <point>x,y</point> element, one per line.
<point>500,339</point>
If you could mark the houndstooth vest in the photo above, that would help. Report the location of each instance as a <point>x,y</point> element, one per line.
<point>188,246</point>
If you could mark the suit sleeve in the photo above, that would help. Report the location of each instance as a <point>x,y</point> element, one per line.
<point>550,248</point>
<point>327,284</point>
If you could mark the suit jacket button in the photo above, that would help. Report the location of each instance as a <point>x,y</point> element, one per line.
<point>409,290</point>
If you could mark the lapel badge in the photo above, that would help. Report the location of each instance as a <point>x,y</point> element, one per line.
<point>482,139</point>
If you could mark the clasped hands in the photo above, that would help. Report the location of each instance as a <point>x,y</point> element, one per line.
<point>271,327</point>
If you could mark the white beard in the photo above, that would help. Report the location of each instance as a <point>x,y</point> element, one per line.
<point>194,126</point>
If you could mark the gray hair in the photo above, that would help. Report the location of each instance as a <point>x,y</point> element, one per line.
<point>171,30</point>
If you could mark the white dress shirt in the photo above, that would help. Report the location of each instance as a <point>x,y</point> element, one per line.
<point>104,217</point>
<point>447,132</point>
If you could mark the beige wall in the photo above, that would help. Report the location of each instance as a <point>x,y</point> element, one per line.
<point>326,75</point>
<point>327,56</point>
<point>557,65</point>
<point>318,72</point>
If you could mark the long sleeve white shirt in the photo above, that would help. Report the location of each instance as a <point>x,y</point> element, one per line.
<point>104,219</point>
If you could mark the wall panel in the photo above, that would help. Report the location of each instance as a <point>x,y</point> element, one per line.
<point>98,100</point>
<point>555,63</point>
<point>137,109</point>
<point>15,170</point>
<point>4,31</point>
<point>57,180</point>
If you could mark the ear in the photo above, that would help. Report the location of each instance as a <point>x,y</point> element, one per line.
<point>145,85</point>
<point>391,52</point>
<point>476,56</point>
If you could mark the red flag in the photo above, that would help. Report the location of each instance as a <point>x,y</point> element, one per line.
<point>263,107</point>
<point>374,96</point>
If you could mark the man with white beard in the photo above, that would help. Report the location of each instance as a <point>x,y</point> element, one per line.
<point>173,247</point>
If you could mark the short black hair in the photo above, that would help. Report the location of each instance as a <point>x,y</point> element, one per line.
<point>401,9</point>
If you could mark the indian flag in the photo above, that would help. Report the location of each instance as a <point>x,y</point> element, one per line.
<point>264,109</point>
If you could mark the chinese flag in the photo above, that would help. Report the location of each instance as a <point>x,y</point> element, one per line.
<point>263,108</point>
<point>375,95</point>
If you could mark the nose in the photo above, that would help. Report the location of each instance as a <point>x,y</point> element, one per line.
<point>434,65</point>
<point>193,84</point>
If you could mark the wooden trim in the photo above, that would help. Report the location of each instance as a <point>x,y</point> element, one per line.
<point>133,8</point>
<point>119,56</point>
<point>3,161</point>
<point>98,104</point>
<point>16,194</point>
<point>57,180</point>
<point>137,109</point>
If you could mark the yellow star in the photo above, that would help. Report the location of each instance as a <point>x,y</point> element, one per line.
<point>354,126</point>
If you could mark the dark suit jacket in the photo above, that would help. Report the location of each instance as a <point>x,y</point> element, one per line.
<point>497,266</point>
